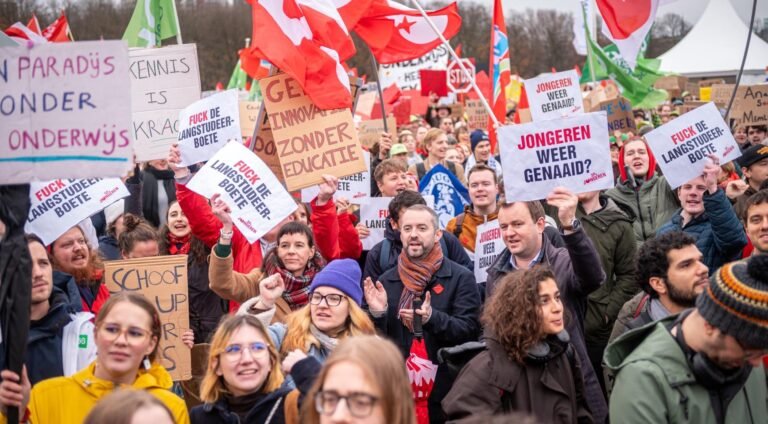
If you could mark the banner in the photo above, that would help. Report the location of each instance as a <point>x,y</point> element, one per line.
<point>682,145</point>
<point>488,246</point>
<point>310,141</point>
<point>370,130</point>
<point>477,115</point>
<point>257,199</point>
<point>163,281</point>
<point>572,152</point>
<point>406,74</point>
<point>207,125</point>
<point>163,81</point>
<point>449,194</point>
<point>619,113</point>
<point>355,188</point>
<point>750,107</point>
<point>374,215</point>
<point>64,111</point>
<point>553,96</point>
<point>56,206</point>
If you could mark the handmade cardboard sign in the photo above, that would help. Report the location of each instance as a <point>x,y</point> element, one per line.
<point>721,94</point>
<point>689,106</point>
<point>370,130</point>
<point>249,115</point>
<point>264,147</point>
<point>206,125</point>
<point>163,281</point>
<point>674,85</point>
<point>682,146</point>
<point>374,215</point>
<point>355,188</point>
<point>64,111</point>
<point>751,105</point>
<point>477,116</point>
<point>457,111</point>
<point>488,246</point>
<point>619,113</point>
<point>58,205</point>
<point>310,141</point>
<point>572,152</point>
<point>163,81</point>
<point>257,199</point>
<point>553,96</point>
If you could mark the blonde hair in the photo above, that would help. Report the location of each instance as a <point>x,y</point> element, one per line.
<point>299,337</point>
<point>213,385</point>
<point>431,136</point>
<point>384,368</point>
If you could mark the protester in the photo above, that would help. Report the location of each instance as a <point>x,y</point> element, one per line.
<point>754,167</point>
<point>384,255</point>
<point>130,407</point>
<point>481,153</point>
<point>740,135</point>
<point>390,178</point>
<point>334,230</point>
<point>399,152</point>
<point>576,267</point>
<point>407,139</point>
<point>757,134</point>
<point>436,143</point>
<point>113,216</point>
<point>205,307</point>
<point>483,192</point>
<point>642,190</point>
<point>379,153</point>
<point>72,255</point>
<point>60,340</point>
<point>368,373</point>
<point>449,311</point>
<point>446,124</point>
<point>702,366</point>
<point>454,155</point>
<point>462,135</point>
<point>671,272</point>
<point>528,364</point>
<point>158,191</point>
<point>436,112</point>
<point>138,239</point>
<point>756,221</point>
<point>127,336</point>
<point>243,381</point>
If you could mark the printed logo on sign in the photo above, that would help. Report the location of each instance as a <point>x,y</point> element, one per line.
<point>83,341</point>
<point>595,177</point>
<point>107,194</point>
<point>728,149</point>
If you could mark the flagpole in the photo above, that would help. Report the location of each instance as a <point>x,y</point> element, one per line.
<point>590,55</point>
<point>178,26</point>
<point>381,94</point>
<point>261,117</point>
<point>458,61</point>
<point>743,61</point>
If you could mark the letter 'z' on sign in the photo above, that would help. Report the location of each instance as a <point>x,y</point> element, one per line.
<point>457,80</point>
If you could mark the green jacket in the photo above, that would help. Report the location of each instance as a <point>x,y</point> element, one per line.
<point>658,203</point>
<point>654,383</point>
<point>610,229</point>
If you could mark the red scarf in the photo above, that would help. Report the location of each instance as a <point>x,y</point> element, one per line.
<point>416,274</point>
<point>296,292</point>
<point>179,245</point>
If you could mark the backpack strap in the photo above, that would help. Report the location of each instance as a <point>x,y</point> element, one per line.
<point>386,246</point>
<point>452,167</point>
<point>459,225</point>
<point>444,247</point>
<point>641,305</point>
<point>420,170</point>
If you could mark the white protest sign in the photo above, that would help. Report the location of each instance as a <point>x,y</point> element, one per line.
<point>682,145</point>
<point>375,215</point>
<point>553,96</point>
<point>206,125</point>
<point>257,199</point>
<point>64,111</point>
<point>58,205</point>
<point>356,188</point>
<point>406,74</point>
<point>573,152</point>
<point>488,246</point>
<point>163,81</point>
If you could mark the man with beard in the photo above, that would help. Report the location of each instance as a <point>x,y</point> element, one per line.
<point>60,338</point>
<point>426,284</point>
<point>72,255</point>
<point>671,271</point>
<point>756,221</point>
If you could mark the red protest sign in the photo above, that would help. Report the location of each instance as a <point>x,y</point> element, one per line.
<point>433,81</point>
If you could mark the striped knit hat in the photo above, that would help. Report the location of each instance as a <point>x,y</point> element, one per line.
<point>736,301</point>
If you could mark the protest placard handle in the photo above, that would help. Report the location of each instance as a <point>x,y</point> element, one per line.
<point>381,94</point>
<point>743,60</point>
<point>178,27</point>
<point>458,61</point>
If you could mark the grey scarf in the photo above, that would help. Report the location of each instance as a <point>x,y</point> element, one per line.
<point>327,342</point>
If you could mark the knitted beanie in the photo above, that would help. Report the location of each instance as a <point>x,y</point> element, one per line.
<point>736,301</point>
<point>341,274</point>
<point>476,137</point>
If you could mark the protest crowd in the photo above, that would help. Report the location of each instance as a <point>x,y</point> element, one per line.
<point>317,250</point>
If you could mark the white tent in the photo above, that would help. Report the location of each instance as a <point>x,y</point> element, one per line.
<point>715,46</point>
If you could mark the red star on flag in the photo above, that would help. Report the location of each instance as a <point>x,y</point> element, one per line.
<point>405,25</point>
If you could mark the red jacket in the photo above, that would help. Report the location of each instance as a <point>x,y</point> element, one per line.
<point>101,298</point>
<point>335,235</point>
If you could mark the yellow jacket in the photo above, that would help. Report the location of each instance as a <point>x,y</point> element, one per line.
<point>65,400</point>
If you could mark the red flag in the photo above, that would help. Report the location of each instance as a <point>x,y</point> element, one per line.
<point>396,33</point>
<point>522,104</point>
<point>34,25</point>
<point>307,39</point>
<point>500,73</point>
<point>58,31</point>
<point>351,10</point>
<point>627,23</point>
<point>458,50</point>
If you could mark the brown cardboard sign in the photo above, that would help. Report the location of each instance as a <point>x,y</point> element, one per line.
<point>690,106</point>
<point>249,114</point>
<point>620,117</point>
<point>674,85</point>
<point>264,147</point>
<point>369,130</point>
<point>751,105</point>
<point>310,142</point>
<point>163,281</point>
<point>477,116</point>
<point>721,94</point>
<point>592,99</point>
<point>710,82</point>
<point>457,111</point>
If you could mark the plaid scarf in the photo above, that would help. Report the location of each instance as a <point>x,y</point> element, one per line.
<point>179,245</point>
<point>296,292</point>
<point>415,275</point>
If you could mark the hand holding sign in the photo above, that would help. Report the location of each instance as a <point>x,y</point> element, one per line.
<point>565,202</point>
<point>174,162</point>
<point>710,173</point>
<point>385,143</point>
<point>327,189</point>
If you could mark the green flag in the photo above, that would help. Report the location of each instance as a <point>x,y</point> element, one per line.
<point>646,71</point>
<point>239,78</point>
<point>255,93</point>
<point>152,22</point>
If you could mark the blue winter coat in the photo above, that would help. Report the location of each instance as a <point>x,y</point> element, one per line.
<point>718,232</point>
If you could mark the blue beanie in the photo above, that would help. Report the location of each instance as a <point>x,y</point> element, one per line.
<point>342,274</point>
<point>476,137</point>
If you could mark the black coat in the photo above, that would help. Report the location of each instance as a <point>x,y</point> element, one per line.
<point>205,307</point>
<point>455,308</point>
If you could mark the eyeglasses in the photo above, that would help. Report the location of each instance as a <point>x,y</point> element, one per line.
<point>330,299</point>
<point>360,405</point>
<point>234,352</point>
<point>133,335</point>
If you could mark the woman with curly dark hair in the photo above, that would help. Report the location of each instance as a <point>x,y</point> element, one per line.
<point>528,364</point>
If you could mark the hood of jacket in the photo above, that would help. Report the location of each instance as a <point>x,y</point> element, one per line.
<point>651,164</point>
<point>392,235</point>
<point>154,378</point>
<point>58,317</point>
<point>67,285</point>
<point>266,400</point>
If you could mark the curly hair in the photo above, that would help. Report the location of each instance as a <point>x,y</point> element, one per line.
<point>136,230</point>
<point>512,315</point>
<point>652,260</point>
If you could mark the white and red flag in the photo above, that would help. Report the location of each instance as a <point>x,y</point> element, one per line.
<point>500,71</point>
<point>21,33</point>
<point>627,23</point>
<point>308,40</point>
<point>58,31</point>
<point>396,33</point>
